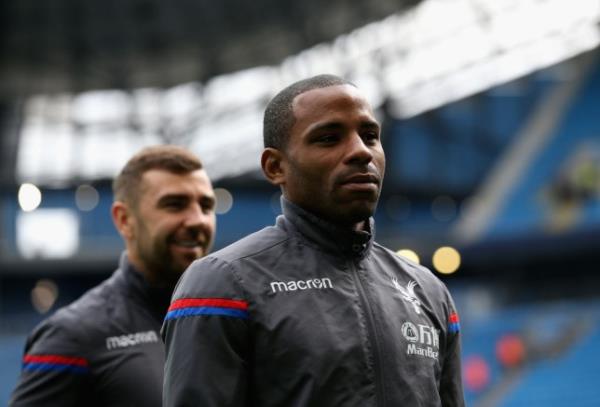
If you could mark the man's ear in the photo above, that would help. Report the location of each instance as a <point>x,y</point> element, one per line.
<point>273,165</point>
<point>123,219</point>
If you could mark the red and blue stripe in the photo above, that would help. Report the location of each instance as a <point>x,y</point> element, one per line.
<point>58,363</point>
<point>453,323</point>
<point>186,307</point>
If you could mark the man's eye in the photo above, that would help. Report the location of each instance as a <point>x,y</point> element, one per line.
<point>371,136</point>
<point>328,138</point>
<point>207,207</point>
<point>174,204</point>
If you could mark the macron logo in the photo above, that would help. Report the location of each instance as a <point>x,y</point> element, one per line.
<point>125,341</point>
<point>312,284</point>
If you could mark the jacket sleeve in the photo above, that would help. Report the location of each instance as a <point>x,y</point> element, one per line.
<point>451,387</point>
<point>206,337</point>
<point>54,369</point>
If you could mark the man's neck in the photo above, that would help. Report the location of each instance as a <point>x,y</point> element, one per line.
<point>361,226</point>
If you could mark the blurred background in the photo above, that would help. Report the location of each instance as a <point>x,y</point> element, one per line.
<point>491,115</point>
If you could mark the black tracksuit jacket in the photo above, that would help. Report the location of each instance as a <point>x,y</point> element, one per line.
<point>102,350</point>
<point>303,314</point>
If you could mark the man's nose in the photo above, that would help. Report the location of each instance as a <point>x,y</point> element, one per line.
<point>358,151</point>
<point>196,216</point>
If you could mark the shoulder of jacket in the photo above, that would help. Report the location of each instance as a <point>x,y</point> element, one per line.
<point>64,326</point>
<point>254,244</point>
<point>220,273</point>
<point>92,311</point>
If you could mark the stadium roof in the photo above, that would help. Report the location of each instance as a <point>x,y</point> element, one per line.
<point>435,53</point>
<point>73,46</point>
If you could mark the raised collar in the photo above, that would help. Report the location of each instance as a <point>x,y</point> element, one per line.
<point>155,299</point>
<point>327,235</point>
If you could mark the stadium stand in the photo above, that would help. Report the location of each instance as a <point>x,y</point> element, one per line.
<point>558,365</point>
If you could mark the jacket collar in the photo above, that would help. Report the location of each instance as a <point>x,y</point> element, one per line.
<point>155,299</point>
<point>327,235</point>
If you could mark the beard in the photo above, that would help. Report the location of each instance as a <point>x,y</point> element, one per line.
<point>163,269</point>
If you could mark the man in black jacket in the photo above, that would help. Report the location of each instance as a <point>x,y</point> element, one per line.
<point>104,349</point>
<point>311,311</point>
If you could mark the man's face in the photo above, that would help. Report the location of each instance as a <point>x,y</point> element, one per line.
<point>173,223</point>
<point>334,162</point>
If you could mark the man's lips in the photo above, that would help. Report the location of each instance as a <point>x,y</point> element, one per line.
<point>187,243</point>
<point>368,178</point>
<point>361,183</point>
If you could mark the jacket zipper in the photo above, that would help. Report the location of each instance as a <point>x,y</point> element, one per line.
<point>372,332</point>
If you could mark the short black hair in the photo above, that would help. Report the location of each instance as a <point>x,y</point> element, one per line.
<point>279,115</point>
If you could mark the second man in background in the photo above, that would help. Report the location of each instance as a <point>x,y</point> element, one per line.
<point>105,348</point>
